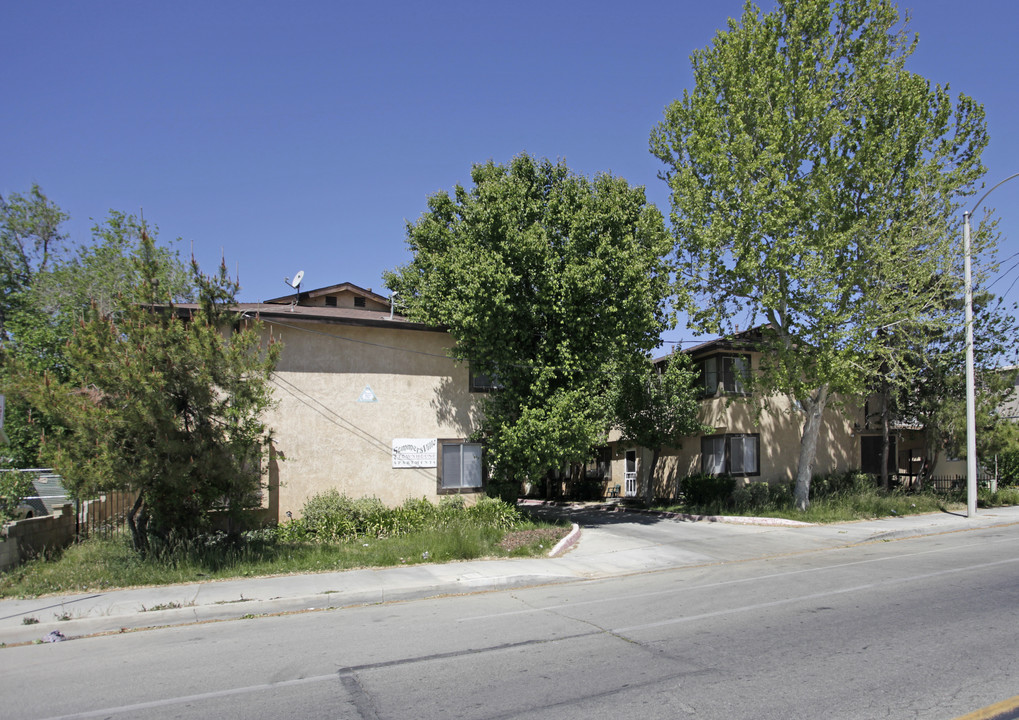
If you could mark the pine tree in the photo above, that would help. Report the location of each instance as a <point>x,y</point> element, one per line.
<point>163,400</point>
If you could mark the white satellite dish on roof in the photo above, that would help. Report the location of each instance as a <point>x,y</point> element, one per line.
<point>296,285</point>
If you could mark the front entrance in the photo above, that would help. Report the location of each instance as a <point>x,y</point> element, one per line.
<point>630,473</point>
<point>870,455</point>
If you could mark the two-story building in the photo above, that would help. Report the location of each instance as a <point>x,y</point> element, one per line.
<point>752,438</point>
<point>367,402</point>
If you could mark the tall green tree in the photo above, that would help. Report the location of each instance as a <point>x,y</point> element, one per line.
<point>657,407</point>
<point>164,400</point>
<point>57,284</point>
<point>548,282</point>
<point>813,183</point>
<point>30,239</point>
<point>936,396</point>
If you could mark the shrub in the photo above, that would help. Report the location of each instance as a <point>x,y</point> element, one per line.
<point>847,483</point>
<point>493,512</point>
<point>1008,467</point>
<point>14,486</point>
<point>752,496</point>
<point>332,517</point>
<point>1006,495</point>
<point>781,495</point>
<point>704,490</point>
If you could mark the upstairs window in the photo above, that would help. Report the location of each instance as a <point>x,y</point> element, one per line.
<point>731,455</point>
<point>484,382</point>
<point>359,302</point>
<point>330,300</point>
<point>725,373</point>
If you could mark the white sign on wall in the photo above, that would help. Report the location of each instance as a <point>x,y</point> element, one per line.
<point>415,453</point>
<point>367,395</point>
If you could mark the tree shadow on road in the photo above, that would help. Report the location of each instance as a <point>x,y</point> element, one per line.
<point>602,516</point>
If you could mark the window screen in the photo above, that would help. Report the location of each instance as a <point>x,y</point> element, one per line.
<point>461,466</point>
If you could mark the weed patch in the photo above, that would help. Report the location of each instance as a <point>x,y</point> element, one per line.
<point>840,497</point>
<point>417,532</point>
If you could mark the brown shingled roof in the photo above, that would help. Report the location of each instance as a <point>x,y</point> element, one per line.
<point>277,312</point>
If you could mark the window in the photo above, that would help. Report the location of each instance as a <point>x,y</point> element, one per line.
<point>731,455</point>
<point>460,467</point>
<point>359,302</point>
<point>330,300</point>
<point>484,382</point>
<point>727,373</point>
<point>599,467</point>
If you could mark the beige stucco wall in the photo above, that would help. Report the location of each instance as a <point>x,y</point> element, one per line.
<point>326,438</point>
<point>780,428</point>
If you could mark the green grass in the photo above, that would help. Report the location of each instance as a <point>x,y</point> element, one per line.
<point>101,564</point>
<point>870,505</point>
<point>834,509</point>
<point>860,505</point>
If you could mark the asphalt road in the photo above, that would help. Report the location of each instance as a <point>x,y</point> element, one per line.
<point>916,628</point>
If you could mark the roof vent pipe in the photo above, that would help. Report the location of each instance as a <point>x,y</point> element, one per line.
<point>391,296</point>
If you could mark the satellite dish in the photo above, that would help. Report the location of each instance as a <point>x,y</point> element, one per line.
<point>296,285</point>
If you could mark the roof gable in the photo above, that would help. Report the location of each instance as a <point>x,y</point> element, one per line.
<point>343,295</point>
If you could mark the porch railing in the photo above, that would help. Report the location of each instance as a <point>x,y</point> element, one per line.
<point>631,484</point>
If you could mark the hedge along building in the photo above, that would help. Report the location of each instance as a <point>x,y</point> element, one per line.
<point>367,402</point>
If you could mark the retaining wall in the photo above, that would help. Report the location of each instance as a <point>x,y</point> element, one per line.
<point>22,539</point>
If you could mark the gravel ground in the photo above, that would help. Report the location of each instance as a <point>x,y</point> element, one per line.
<point>521,538</point>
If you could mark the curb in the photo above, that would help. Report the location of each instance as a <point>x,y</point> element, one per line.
<point>89,626</point>
<point>566,543</point>
<point>688,517</point>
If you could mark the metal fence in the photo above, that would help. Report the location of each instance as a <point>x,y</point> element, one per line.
<point>100,516</point>
<point>104,515</point>
<point>938,483</point>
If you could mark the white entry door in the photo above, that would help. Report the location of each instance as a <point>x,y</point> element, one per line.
<point>630,473</point>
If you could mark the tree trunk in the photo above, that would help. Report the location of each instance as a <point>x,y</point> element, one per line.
<point>649,484</point>
<point>814,408</point>
<point>930,458</point>
<point>138,521</point>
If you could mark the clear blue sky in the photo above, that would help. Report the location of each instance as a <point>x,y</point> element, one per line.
<point>303,135</point>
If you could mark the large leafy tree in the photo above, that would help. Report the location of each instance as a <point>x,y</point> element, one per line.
<point>30,240</point>
<point>549,282</point>
<point>164,400</point>
<point>656,407</point>
<point>813,184</point>
<point>54,281</point>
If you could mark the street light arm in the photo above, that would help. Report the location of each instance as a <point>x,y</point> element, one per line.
<point>977,204</point>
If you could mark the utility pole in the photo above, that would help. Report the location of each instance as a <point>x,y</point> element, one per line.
<point>971,403</point>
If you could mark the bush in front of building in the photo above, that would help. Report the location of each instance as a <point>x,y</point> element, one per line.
<point>853,482</point>
<point>1008,467</point>
<point>334,517</point>
<point>707,491</point>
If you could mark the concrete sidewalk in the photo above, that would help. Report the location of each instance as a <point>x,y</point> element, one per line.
<point>605,544</point>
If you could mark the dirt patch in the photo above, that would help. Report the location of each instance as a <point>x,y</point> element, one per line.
<point>525,538</point>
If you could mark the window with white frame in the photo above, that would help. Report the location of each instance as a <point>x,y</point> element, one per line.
<point>460,466</point>
<point>727,373</point>
<point>731,454</point>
